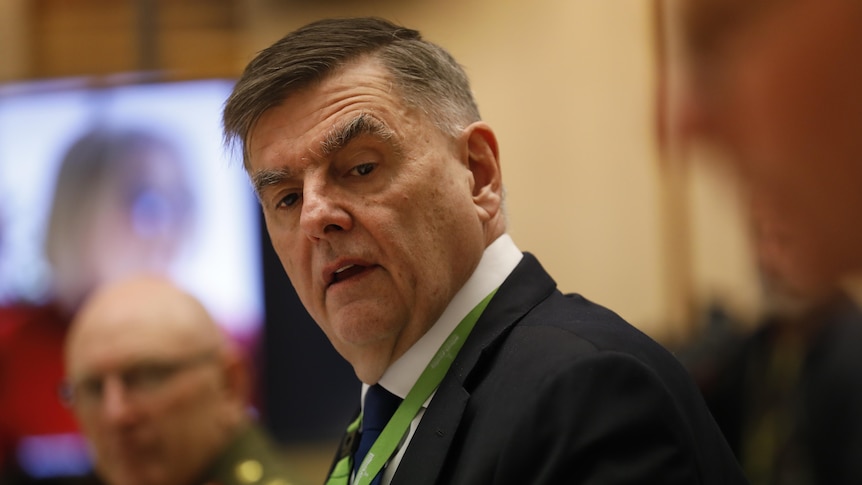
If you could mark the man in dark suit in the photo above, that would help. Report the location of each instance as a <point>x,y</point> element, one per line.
<point>382,194</point>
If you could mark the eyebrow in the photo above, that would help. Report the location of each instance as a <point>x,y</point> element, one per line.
<point>262,179</point>
<point>363,124</point>
<point>334,141</point>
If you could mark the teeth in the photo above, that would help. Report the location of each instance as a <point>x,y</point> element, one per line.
<point>339,270</point>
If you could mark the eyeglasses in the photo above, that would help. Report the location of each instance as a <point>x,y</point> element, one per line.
<point>138,380</point>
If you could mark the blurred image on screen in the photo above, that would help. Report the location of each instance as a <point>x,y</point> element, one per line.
<point>97,182</point>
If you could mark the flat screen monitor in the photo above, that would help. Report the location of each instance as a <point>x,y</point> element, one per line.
<point>218,258</point>
<point>193,208</point>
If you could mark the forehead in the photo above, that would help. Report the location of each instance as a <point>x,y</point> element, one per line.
<point>114,335</point>
<point>298,125</point>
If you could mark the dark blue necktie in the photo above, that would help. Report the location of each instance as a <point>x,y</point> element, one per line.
<point>380,405</point>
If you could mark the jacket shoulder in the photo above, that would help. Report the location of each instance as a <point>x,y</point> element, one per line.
<point>252,459</point>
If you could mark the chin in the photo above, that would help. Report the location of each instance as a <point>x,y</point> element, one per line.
<point>136,476</point>
<point>370,372</point>
<point>124,478</point>
<point>369,359</point>
<point>365,329</point>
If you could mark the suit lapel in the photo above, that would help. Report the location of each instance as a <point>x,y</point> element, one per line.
<point>430,444</point>
<point>426,455</point>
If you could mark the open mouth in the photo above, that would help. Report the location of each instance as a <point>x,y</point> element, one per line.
<point>346,272</point>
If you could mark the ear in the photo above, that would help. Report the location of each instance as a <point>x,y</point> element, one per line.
<point>482,157</point>
<point>236,376</point>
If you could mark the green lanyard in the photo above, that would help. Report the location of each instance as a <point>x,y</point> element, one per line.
<point>398,425</point>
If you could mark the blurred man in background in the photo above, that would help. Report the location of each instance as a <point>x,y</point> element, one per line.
<point>774,86</point>
<point>788,398</point>
<point>160,392</point>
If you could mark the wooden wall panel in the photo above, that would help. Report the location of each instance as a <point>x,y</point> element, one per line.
<point>184,38</point>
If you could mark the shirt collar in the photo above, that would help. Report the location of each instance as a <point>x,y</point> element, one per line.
<point>498,261</point>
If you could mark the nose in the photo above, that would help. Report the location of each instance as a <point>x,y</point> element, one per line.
<point>323,211</point>
<point>117,407</point>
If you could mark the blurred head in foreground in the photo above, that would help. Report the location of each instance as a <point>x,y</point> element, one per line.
<point>775,85</point>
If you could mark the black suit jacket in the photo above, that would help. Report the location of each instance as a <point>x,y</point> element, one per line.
<point>551,389</point>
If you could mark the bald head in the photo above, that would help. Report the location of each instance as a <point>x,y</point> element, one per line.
<point>154,382</point>
<point>143,314</point>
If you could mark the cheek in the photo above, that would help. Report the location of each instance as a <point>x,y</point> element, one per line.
<point>299,271</point>
<point>755,111</point>
<point>452,232</point>
<point>772,126</point>
<point>190,421</point>
<point>191,395</point>
<point>293,258</point>
<point>96,433</point>
<point>796,84</point>
<point>287,258</point>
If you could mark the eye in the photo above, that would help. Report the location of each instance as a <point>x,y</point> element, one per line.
<point>147,376</point>
<point>90,388</point>
<point>363,169</point>
<point>288,200</point>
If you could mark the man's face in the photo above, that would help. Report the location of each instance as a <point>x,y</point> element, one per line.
<point>776,85</point>
<point>370,209</point>
<point>148,400</point>
<point>140,218</point>
<point>788,284</point>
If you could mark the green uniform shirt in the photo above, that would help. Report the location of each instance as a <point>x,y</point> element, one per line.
<point>250,459</point>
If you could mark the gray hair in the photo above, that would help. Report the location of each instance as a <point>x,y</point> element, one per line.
<point>427,76</point>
